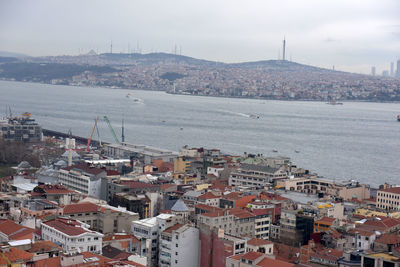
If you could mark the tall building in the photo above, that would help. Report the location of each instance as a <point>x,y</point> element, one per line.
<point>398,68</point>
<point>391,69</point>
<point>373,71</point>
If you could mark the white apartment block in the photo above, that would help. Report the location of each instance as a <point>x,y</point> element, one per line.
<point>72,235</point>
<point>83,178</point>
<point>179,246</point>
<point>147,232</point>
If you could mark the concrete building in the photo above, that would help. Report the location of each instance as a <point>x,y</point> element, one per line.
<point>147,231</point>
<point>345,190</point>
<point>103,218</point>
<point>83,178</point>
<point>72,235</point>
<point>256,176</point>
<point>295,228</point>
<point>237,222</point>
<point>388,199</point>
<point>21,129</point>
<point>179,246</point>
<point>146,154</point>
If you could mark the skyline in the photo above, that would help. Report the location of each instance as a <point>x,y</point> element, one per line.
<point>316,33</point>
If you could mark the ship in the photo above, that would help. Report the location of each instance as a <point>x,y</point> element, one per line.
<point>334,103</point>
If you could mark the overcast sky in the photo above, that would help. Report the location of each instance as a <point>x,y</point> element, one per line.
<point>352,35</point>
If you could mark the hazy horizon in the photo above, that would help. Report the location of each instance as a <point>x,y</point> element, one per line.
<point>351,36</point>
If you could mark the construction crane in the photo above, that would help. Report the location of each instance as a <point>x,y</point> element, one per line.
<point>91,135</point>
<point>111,129</point>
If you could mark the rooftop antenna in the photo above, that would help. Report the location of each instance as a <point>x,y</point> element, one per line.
<point>123,131</point>
<point>284,48</point>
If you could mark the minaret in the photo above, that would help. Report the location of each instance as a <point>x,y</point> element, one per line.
<point>284,48</point>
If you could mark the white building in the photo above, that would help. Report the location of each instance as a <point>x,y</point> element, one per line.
<point>147,232</point>
<point>72,235</point>
<point>179,246</point>
<point>83,178</point>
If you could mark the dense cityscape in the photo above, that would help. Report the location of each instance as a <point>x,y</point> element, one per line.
<point>74,201</point>
<point>271,79</point>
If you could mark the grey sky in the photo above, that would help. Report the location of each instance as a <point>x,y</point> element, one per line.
<point>353,35</point>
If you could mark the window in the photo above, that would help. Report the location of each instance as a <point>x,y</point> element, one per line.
<point>176,245</point>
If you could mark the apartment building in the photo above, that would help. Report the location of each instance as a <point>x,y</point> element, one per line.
<point>237,222</point>
<point>103,218</point>
<point>388,199</point>
<point>72,235</point>
<point>147,231</point>
<point>83,178</point>
<point>179,246</point>
<point>256,176</point>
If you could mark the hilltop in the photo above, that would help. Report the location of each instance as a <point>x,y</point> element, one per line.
<point>269,79</point>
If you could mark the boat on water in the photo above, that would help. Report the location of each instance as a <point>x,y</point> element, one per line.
<point>254,116</point>
<point>334,103</point>
<point>274,150</point>
<point>297,151</point>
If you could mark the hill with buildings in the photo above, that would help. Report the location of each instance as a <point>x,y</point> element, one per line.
<point>268,79</point>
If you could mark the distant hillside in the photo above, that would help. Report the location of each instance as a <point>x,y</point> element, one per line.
<point>46,72</point>
<point>266,79</point>
<point>11,54</point>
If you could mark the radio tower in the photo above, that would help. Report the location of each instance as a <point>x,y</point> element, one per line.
<point>284,48</point>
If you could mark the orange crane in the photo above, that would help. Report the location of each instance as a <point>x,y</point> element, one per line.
<point>91,136</point>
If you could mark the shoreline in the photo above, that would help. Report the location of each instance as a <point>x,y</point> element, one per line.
<point>216,96</point>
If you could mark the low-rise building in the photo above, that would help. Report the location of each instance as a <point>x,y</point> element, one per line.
<point>72,235</point>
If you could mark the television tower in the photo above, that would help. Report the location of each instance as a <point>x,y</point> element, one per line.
<point>284,48</point>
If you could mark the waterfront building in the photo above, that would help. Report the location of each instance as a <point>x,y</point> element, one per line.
<point>21,129</point>
<point>256,176</point>
<point>146,154</point>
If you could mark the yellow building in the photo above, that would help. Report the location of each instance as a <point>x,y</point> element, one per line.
<point>181,165</point>
<point>374,213</point>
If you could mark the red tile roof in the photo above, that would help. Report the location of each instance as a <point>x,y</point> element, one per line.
<point>173,228</point>
<point>389,239</point>
<point>44,246</point>
<point>120,237</point>
<point>138,185</point>
<point>15,231</point>
<point>69,227</point>
<point>252,255</point>
<point>395,190</point>
<point>241,213</point>
<point>268,262</point>
<point>16,254</point>
<point>53,262</point>
<point>80,207</point>
<point>85,168</point>
<point>258,242</point>
<point>208,195</point>
<point>326,220</point>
